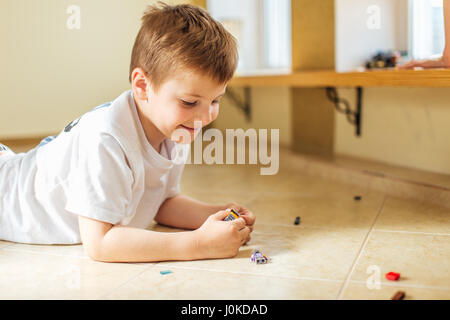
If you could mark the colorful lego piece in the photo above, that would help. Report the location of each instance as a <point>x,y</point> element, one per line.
<point>259,258</point>
<point>233,215</point>
<point>393,276</point>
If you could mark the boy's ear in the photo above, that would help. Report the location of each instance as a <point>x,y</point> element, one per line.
<point>139,83</point>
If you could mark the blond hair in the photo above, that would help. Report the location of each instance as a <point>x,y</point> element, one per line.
<point>172,38</point>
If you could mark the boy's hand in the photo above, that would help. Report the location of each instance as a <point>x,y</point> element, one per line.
<point>246,214</point>
<point>220,239</point>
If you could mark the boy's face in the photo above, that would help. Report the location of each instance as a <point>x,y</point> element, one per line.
<point>184,100</point>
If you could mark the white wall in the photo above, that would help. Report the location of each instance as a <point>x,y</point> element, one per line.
<point>49,74</point>
<point>356,42</point>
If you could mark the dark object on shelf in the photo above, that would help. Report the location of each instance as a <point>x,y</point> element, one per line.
<point>399,295</point>
<point>357,198</point>
<point>382,59</point>
<point>297,221</point>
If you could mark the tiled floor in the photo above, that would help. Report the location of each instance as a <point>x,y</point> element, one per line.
<point>341,249</point>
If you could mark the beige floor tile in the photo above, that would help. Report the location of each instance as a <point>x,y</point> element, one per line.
<point>302,183</point>
<point>58,250</point>
<point>407,215</point>
<point>239,178</point>
<point>296,252</point>
<point>421,259</point>
<point>336,208</point>
<point>221,197</point>
<point>359,291</point>
<point>194,284</point>
<point>26,275</point>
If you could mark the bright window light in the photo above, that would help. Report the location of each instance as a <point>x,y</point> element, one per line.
<point>427,38</point>
<point>277,33</point>
<point>263,31</point>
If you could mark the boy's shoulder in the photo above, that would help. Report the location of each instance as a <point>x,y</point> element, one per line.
<point>114,117</point>
<point>109,119</point>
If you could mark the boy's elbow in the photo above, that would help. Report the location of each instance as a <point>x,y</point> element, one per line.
<point>94,252</point>
<point>92,234</point>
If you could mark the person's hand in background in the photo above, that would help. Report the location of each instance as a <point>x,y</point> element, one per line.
<point>442,62</point>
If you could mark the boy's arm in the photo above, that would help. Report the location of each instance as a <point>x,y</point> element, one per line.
<point>185,212</point>
<point>115,243</point>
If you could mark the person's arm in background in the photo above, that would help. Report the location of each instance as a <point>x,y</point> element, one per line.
<point>444,61</point>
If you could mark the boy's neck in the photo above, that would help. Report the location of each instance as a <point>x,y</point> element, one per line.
<point>152,133</point>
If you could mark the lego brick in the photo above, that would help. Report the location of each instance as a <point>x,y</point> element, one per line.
<point>393,276</point>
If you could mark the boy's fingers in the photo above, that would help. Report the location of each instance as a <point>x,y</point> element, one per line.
<point>220,215</point>
<point>239,223</point>
<point>247,240</point>
<point>249,217</point>
<point>244,233</point>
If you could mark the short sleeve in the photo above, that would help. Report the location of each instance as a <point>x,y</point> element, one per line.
<point>176,174</point>
<point>100,181</point>
<point>174,182</point>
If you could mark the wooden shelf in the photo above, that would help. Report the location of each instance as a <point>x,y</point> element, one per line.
<point>329,78</point>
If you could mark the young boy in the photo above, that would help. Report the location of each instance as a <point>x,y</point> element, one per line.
<point>111,172</point>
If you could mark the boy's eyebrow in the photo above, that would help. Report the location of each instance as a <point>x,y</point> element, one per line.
<point>199,96</point>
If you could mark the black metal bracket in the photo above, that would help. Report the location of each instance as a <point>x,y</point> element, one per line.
<point>244,105</point>
<point>354,117</point>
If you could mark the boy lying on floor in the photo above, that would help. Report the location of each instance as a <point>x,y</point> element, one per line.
<point>105,178</point>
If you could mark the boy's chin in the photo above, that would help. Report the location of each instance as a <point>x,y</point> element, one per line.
<point>182,136</point>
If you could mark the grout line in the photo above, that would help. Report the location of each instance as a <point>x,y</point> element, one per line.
<point>6,246</point>
<point>413,232</point>
<point>104,296</point>
<point>399,285</point>
<point>249,273</point>
<point>346,228</point>
<point>301,227</point>
<point>355,262</point>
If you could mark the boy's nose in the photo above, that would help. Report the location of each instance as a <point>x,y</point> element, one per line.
<point>207,115</point>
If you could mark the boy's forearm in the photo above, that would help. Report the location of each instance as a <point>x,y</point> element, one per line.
<point>124,244</point>
<point>185,212</point>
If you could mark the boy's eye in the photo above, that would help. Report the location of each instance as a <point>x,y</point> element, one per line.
<point>187,103</point>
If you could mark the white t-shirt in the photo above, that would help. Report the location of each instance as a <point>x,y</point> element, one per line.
<point>100,166</point>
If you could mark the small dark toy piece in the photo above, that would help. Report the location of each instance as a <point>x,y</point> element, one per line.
<point>357,198</point>
<point>297,221</point>
<point>399,295</point>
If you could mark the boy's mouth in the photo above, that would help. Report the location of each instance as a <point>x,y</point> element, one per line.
<point>189,128</point>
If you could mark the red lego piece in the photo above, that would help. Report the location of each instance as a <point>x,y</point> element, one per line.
<point>393,276</point>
